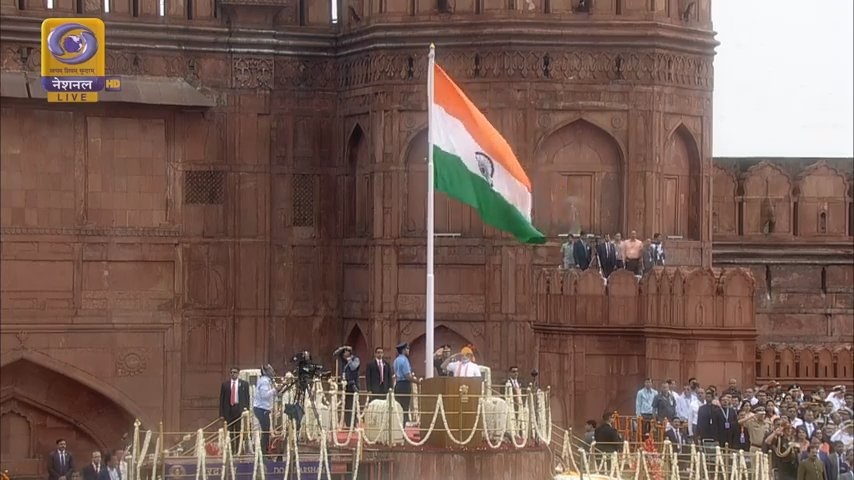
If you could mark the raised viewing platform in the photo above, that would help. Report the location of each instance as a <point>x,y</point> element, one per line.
<point>460,429</point>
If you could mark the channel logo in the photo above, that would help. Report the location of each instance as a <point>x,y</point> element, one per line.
<point>73,59</point>
<point>72,43</point>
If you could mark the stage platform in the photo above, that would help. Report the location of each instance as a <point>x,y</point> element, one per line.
<point>400,462</point>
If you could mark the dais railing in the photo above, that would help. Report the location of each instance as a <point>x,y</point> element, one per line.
<point>504,418</point>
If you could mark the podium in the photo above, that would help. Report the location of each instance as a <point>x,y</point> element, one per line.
<point>460,397</point>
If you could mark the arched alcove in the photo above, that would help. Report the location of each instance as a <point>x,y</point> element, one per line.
<point>54,405</point>
<point>441,336</point>
<point>822,202</point>
<point>700,288</point>
<point>450,216</point>
<point>356,200</point>
<point>738,288</point>
<point>357,340</point>
<point>767,204</point>
<point>578,181</point>
<point>724,203</point>
<point>680,188</point>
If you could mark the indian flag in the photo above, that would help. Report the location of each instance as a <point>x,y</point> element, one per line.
<point>475,165</point>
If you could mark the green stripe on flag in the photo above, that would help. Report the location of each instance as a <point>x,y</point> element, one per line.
<point>455,180</point>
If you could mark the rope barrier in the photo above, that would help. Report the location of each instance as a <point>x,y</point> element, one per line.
<point>507,419</point>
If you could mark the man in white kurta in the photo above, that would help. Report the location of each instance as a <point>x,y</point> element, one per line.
<point>465,366</point>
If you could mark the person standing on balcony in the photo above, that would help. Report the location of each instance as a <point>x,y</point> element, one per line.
<point>658,255</point>
<point>664,404</point>
<point>607,253</point>
<point>632,252</point>
<point>643,404</point>
<point>581,252</point>
<point>619,262</point>
<point>725,423</point>
<point>703,430</point>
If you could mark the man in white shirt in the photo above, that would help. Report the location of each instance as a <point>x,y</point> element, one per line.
<point>750,397</point>
<point>262,405</point>
<point>837,397</point>
<point>113,470</point>
<point>687,406</point>
<point>465,366</point>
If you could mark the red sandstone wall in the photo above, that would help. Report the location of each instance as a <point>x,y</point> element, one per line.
<point>804,268</point>
<point>598,341</point>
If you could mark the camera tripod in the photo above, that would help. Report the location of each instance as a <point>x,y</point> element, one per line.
<point>302,388</point>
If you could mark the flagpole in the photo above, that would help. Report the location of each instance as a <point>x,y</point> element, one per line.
<point>430,299</point>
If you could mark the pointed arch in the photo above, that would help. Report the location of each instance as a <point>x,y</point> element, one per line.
<point>442,335</point>
<point>822,206</point>
<point>824,367</point>
<point>680,192</point>
<point>450,216</point>
<point>700,290</point>
<point>57,404</point>
<point>356,200</point>
<point>767,362</point>
<point>579,180</point>
<point>767,201</point>
<point>678,288</point>
<point>737,281</point>
<point>724,202</point>
<point>16,433</point>
<point>357,340</point>
<point>64,369</point>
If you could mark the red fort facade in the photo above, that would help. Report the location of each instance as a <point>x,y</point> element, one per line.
<point>258,187</point>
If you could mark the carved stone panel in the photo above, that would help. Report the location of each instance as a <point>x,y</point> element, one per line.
<point>252,72</point>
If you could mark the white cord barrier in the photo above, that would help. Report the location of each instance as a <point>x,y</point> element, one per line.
<point>157,447</point>
<point>498,417</point>
<point>140,459</point>
<point>201,471</point>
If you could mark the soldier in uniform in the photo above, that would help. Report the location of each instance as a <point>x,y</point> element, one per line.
<point>812,468</point>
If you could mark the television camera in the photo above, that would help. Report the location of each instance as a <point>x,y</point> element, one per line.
<point>305,372</point>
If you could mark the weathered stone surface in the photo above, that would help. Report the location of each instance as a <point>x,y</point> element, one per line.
<point>146,249</point>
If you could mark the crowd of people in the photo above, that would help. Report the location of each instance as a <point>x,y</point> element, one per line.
<point>584,251</point>
<point>797,429</point>
<point>101,466</point>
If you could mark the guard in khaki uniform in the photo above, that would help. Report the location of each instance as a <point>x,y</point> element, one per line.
<point>812,468</point>
<point>757,428</point>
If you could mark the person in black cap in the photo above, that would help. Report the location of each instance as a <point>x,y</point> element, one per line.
<point>405,378</point>
<point>439,357</point>
<point>350,376</point>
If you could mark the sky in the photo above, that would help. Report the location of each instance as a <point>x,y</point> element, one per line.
<point>784,78</point>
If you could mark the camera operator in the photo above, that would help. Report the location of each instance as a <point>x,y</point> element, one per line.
<point>265,398</point>
<point>350,374</point>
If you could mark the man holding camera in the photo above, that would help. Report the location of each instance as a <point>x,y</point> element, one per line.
<point>262,405</point>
